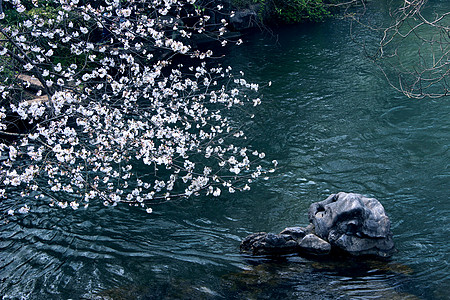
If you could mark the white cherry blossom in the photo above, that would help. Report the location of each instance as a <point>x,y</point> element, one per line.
<point>120,119</point>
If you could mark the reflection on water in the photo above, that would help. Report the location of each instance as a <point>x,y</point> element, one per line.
<point>334,125</point>
<point>286,279</point>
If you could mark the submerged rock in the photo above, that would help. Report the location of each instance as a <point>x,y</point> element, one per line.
<point>345,222</point>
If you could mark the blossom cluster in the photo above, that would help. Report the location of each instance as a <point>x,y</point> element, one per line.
<point>133,113</point>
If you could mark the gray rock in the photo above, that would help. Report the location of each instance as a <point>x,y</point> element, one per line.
<point>244,19</point>
<point>296,233</point>
<point>262,243</point>
<point>353,223</point>
<point>313,244</point>
<point>347,222</point>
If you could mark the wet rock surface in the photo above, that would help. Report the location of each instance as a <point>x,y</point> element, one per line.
<point>263,243</point>
<point>312,244</point>
<point>344,222</point>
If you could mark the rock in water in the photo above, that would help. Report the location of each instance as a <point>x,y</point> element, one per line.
<point>262,243</point>
<point>353,223</point>
<point>312,244</point>
<point>346,222</point>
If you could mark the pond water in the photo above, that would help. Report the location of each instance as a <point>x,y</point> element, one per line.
<point>334,124</point>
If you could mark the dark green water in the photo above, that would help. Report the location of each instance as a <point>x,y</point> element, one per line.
<point>334,124</point>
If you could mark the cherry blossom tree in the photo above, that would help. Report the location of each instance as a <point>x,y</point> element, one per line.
<point>110,101</point>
